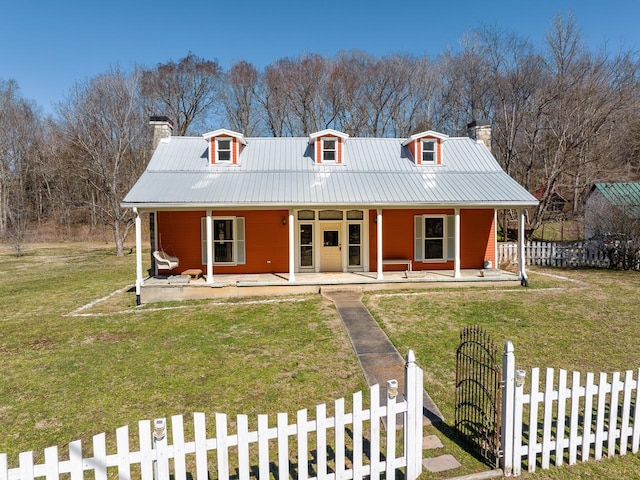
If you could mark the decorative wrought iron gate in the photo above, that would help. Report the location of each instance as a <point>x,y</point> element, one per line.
<point>478,393</point>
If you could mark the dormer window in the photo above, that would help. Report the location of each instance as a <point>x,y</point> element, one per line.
<point>223,149</point>
<point>429,152</point>
<point>426,148</point>
<point>225,146</point>
<point>329,149</point>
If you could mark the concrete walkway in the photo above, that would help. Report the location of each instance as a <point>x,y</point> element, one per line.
<point>379,359</point>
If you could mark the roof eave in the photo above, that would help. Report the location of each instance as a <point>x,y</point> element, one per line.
<point>280,205</point>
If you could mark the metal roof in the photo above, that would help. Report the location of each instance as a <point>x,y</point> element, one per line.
<point>622,194</point>
<point>281,172</point>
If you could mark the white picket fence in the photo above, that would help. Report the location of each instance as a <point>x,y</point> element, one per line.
<point>554,254</point>
<point>345,446</point>
<point>565,423</point>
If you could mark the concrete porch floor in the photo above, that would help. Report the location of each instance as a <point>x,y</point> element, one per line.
<point>158,289</point>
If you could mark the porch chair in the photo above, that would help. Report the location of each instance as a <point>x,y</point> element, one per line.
<point>165,261</point>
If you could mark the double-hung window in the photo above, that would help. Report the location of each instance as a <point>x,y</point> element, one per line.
<point>223,149</point>
<point>429,152</point>
<point>434,237</point>
<point>228,240</point>
<point>329,150</point>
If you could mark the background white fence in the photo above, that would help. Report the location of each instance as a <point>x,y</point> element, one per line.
<point>572,418</point>
<point>346,445</point>
<point>554,254</point>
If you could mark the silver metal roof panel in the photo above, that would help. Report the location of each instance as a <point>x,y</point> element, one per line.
<point>281,172</point>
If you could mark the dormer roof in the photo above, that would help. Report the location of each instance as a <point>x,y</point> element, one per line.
<point>223,132</point>
<point>329,132</point>
<point>428,133</point>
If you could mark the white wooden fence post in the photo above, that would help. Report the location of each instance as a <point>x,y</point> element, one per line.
<point>508,392</point>
<point>413,386</point>
<point>161,468</point>
<point>4,467</point>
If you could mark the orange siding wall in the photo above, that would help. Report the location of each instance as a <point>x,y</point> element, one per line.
<point>398,239</point>
<point>234,150</point>
<point>266,240</point>
<point>476,245</point>
<point>478,238</point>
<point>179,235</point>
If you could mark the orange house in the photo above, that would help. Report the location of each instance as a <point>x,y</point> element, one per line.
<point>225,204</point>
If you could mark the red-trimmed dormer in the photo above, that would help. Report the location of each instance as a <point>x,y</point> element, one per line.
<point>328,147</point>
<point>224,146</point>
<point>426,147</point>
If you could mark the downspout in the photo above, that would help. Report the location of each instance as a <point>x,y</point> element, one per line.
<point>138,225</point>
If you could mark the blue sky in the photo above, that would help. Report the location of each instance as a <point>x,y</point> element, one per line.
<point>46,46</point>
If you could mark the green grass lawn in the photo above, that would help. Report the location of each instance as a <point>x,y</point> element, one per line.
<point>70,377</point>
<point>67,377</point>
<point>591,323</point>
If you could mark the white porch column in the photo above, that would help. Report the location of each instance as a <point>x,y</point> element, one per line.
<point>138,225</point>
<point>456,248</point>
<point>209,223</point>
<point>522,260</point>
<point>292,248</point>
<point>380,276</point>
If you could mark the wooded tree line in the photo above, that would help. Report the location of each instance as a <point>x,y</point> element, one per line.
<point>563,117</point>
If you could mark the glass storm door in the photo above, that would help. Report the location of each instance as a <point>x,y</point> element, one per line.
<point>355,244</point>
<point>306,245</point>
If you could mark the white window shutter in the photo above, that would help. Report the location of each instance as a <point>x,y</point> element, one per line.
<point>240,241</point>
<point>451,234</point>
<point>418,238</point>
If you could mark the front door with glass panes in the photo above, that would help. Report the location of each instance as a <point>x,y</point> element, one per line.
<point>331,248</point>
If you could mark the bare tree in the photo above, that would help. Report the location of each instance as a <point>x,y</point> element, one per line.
<point>187,91</point>
<point>105,126</point>
<point>18,148</point>
<point>240,98</point>
<point>585,94</point>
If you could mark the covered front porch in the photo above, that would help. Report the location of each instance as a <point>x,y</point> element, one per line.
<point>374,254</point>
<point>180,287</point>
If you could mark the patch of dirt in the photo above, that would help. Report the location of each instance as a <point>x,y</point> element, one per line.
<point>42,344</point>
<point>102,337</point>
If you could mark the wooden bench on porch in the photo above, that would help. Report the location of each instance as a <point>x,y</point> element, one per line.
<point>193,272</point>
<point>398,261</point>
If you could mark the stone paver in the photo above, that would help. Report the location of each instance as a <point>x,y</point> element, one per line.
<point>431,442</point>
<point>441,463</point>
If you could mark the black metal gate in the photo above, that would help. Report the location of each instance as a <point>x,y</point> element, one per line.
<point>478,393</point>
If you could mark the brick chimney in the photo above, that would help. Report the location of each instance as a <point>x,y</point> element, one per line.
<point>162,128</point>
<point>480,131</point>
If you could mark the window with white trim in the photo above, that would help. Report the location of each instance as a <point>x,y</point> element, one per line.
<point>228,240</point>
<point>329,149</point>
<point>223,149</point>
<point>429,152</point>
<point>434,238</point>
